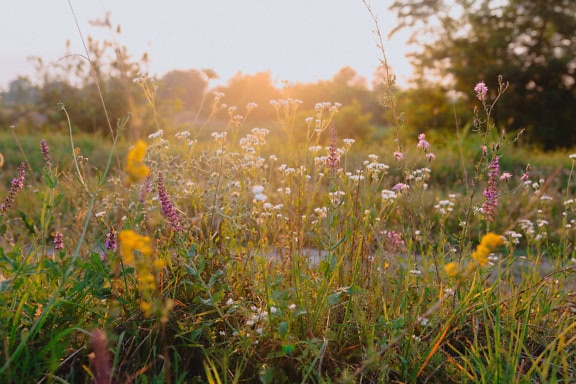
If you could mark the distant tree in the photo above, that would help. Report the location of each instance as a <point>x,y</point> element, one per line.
<point>182,89</point>
<point>531,43</point>
<point>352,123</point>
<point>258,88</point>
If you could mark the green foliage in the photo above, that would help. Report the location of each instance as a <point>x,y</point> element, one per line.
<point>528,42</point>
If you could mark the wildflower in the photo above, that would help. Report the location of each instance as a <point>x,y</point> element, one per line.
<point>45,152</point>
<point>398,155</point>
<point>131,241</point>
<point>58,241</point>
<point>16,185</point>
<point>451,269</point>
<point>333,159</point>
<point>167,206</point>
<point>422,143</point>
<point>388,194</point>
<point>430,156</point>
<point>490,193</point>
<point>400,187</point>
<point>110,243</point>
<point>481,90</point>
<point>572,156</point>
<point>487,244</point>
<point>135,167</point>
<point>156,135</point>
<point>505,176</point>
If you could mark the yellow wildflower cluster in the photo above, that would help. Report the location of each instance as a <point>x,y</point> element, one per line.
<point>488,243</point>
<point>135,167</point>
<point>130,241</point>
<point>452,269</point>
<point>148,268</point>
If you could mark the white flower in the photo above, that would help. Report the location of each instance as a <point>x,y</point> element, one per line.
<point>257,189</point>
<point>572,156</point>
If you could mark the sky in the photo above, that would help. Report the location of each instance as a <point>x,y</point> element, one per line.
<point>296,40</point>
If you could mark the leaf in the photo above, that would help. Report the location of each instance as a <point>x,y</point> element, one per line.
<point>334,298</point>
<point>283,329</point>
<point>214,277</point>
<point>28,223</point>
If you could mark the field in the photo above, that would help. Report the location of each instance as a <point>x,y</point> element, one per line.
<point>257,255</point>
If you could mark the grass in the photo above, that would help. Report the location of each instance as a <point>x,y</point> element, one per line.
<point>271,256</point>
<point>285,270</point>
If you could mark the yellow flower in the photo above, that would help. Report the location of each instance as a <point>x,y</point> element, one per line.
<point>130,241</point>
<point>135,167</point>
<point>492,240</point>
<point>488,243</point>
<point>452,269</point>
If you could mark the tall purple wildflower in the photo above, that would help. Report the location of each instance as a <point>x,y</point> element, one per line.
<point>111,243</point>
<point>167,206</point>
<point>58,241</point>
<point>17,184</point>
<point>490,193</point>
<point>333,159</point>
<point>46,152</point>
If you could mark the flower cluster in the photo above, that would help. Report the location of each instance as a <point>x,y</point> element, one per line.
<point>17,184</point>
<point>488,243</point>
<point>490,193</point>
<point>333,159</point>
<point>45,152</point>
<point>167,206</point>
<point>58,241</point>
<point>135,167</point>
<point>131,241</point>
<point>481,90</point>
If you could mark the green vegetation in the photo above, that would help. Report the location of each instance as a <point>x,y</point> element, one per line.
<point>188,246</point>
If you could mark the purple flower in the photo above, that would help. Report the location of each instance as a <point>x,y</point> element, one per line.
<point>333,159</point>
<point>17,184</point>
<point>46,152</point>
<point>167,207</point>
<point>400,187</point>
<point>481,90</point>
<point>110,243</point>
<point>490,193</point>
<point>58,241</point>
<point>398,155</point>
<point>422,143</point>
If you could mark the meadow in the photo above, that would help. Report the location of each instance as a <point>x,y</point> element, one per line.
<point>255,256</point>
<point>229,253</point>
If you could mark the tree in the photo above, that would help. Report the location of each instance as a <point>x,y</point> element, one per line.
<point>531,43</point>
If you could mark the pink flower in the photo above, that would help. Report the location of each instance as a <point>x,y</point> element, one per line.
<point>167,206</point>
<point>58,241</point>
<point>422,143</point>
<point>333,159</point>
<point>481,90</point>
<point>430,156</point>
<point>398,155</point>
<point>400,187</point>
<point>505,176</point>
<point>17,184</point>
<point>490,193</point>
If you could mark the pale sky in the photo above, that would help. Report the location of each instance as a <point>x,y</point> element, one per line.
<point>296,40</point>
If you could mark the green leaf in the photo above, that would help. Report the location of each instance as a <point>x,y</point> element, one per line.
<point>283,329</point>
<point>214,278</point>
<point>334,298</point>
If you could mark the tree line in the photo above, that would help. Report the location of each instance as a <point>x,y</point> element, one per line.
<point>531,44</point>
